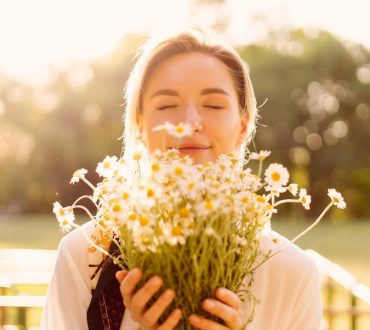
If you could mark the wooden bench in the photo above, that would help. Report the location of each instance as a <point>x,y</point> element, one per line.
<point>23,267</point>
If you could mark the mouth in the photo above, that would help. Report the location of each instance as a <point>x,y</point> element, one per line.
<point>193,149</point>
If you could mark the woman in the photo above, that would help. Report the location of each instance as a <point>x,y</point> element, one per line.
<point>183,78</point>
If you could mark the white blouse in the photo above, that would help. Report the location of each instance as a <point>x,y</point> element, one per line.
<point>287,285</point>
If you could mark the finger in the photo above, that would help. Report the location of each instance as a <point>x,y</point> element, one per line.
<point>229,314</point>
<point>120,275</point>
<point>172,320</point>
<point>228,297</point>
<point>205,324</point>
<point>128,285</point>
<point>153,314</point>
<point>142,296</point>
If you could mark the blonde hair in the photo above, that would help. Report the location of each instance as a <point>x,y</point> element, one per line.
<point>156,50</point>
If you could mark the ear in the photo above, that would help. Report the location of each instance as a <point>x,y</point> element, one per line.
<point>243,129</point>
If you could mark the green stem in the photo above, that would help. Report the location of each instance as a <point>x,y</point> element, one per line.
<point>85,209</point>
<point>298,236</point>
<point>88,183</point>
<point>84,196</point>
<point>286,201</point>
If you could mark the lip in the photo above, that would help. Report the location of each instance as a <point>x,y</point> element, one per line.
<point>193,146</point>
<point>192,150</point>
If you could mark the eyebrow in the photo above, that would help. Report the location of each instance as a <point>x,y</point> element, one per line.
<point>205,91</point>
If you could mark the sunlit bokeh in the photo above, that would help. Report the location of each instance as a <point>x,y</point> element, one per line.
<point>63,69</point>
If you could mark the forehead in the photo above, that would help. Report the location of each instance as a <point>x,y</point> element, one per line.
<point>190,72</point>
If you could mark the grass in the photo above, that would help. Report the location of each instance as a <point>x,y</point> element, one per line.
<point>347,244</point>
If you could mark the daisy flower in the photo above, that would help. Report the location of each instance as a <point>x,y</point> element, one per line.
<point>173,234</point>
<point>276,190</point>
<point>293,188</point>
<point>304,198</point>
<point>262,155</point>
<point>64,216</point>
<point>107,166</point>
<point>77,175</point>
<point>276,175</point>
<point>163,127</point>
<point>336,198</point>
<point>180,130</point>
<point>209,231</point>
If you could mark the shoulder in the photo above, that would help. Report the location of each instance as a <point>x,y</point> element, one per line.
<point>76,241</point>
<point>290,258</point>
<point>287,286</point>
<point>290,271</point>
<point>75,246</point>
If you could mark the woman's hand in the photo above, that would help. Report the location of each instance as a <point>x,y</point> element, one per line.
<point>227,307</point>
<point>136,301</point>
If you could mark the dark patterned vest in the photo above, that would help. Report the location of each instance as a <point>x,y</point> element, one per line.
<point>106,307</point>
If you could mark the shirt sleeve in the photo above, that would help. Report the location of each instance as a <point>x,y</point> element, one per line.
<point>307,313</point>
<point>68,295</point>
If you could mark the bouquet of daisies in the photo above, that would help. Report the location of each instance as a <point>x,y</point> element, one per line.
<point>198,226</point>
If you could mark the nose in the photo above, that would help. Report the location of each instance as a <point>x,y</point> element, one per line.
<point>193,117</point>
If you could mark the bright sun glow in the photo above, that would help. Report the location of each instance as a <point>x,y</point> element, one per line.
<point>38,35</point>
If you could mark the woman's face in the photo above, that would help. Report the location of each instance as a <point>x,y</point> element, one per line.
<point>196,89</point>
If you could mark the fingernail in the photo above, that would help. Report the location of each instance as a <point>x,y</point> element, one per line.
<point>120,275</point>
<point>221,292</point>
<point>135,272</point>
<point>209,303</point>
<point>168,294</point>
<point>193,318</point>
<point>178,313</point>
<point>156,281</point>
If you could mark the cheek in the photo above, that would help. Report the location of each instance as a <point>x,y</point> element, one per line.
<point>223,130</point>
<point>153,140</point>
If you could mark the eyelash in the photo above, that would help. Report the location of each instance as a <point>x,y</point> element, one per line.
<point>173,106</point>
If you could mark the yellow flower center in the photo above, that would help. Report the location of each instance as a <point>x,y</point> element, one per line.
<point>191,185</point>
<point>155,167</point>
<point>144,220</point>
<point>178,171</point>
<point>176,230</point>
<point>136,156</point>
<point>106,165</point>
<point>208,205</point>
<point>159,231</point>
<point>125,195</point>
<point>261,199</point>
<point>150,192</point>
<point>275,176</point>
<point>117,208</point>
<point>184,212</point>
<point>132,216</point>
<point>179,129</point>
<point>191,225</point>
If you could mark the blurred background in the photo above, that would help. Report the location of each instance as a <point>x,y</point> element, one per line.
<point>64,64</point>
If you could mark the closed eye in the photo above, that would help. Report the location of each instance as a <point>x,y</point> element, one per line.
<point>163,107</point>
<point>213,106</point>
